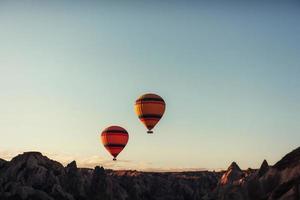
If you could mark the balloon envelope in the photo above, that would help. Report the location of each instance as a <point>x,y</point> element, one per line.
<point>150,108</point>
<point>114,139</point>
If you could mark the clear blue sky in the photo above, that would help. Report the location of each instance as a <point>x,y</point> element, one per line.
<point>229,73</point>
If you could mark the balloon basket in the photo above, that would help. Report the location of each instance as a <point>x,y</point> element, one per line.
<point>114,159</point>
<point>150,132</point>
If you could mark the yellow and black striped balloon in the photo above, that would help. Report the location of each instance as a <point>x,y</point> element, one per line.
<point>150,108</point>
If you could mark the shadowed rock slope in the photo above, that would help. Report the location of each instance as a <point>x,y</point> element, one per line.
<point>282,182</point>
<point>32,176</point>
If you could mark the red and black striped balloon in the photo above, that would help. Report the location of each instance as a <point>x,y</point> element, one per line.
<point>114,139</point>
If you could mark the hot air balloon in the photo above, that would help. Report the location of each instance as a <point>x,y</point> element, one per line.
<point>114,139</point>
<point>149,108</point>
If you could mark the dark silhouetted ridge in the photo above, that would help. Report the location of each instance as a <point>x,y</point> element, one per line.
<point>32,176</point>
<point>263,168</point>
<point>290,160</point>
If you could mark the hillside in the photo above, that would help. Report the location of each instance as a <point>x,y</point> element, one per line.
<point>32,176</point>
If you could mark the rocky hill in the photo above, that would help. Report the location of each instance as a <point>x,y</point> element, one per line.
<point>32,176</point>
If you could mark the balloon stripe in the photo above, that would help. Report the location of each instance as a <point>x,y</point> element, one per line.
<point>115,134</point>
<point>150,116</point>
<point>150,102</point>
<point>115,131</point>
<point>149,99</point>
<point>115,145</point>
<point>150,120</point>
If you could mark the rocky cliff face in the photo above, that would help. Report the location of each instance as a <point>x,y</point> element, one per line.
<point>280,182</point>
<point>32,176</point>
<point>233,174</point>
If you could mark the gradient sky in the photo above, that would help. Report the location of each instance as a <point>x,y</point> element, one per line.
<point>229,73</point>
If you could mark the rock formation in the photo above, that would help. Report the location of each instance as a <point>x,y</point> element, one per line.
<point>233,174</point>
<point>263,168</point>
<point>280,182</point>
<point>32,176</point>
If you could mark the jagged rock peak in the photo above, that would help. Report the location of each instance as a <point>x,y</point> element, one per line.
<point>99,169</point>
<point>30,154</point>
<point>72,168</point>
<point>72,165</point>
<point>98,172</point>
<point>32,158</point>
<point>234,166</point>
<point>290,160</point>
<point>232,174</point>
<point>263,168</point>
<point>265,163</point>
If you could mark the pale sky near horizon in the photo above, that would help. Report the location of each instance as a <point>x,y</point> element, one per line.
<point>229,73</point>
